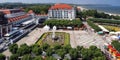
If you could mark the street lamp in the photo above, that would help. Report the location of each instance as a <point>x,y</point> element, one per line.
<point>1,30</point>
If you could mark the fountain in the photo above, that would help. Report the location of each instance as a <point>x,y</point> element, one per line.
<point>54,37</point>
<point>53,33</point>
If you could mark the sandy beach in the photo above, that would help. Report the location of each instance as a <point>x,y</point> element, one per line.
<point>83,8</point>
<point>112,14</point>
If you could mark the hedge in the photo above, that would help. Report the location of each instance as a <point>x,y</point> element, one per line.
<point>95,27</point>
<point>63,23</point>
<point>99,20</point>
<point>67,39</point>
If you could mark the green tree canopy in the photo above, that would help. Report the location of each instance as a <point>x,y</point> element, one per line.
<point>14,57</point>
<point>26,57</point>
<point>38,58</point>
<point>57,46</point>
<point>99,58</point>
<point>116,45</point>
<point>38,9</point>
<point>95,14</point>
<point>24,49</point>
<point>50,58</point>
<point>13,48</point>
<point>73,53</point>
<point>37,50</point>
<point>49,52</point>
<point>2,57</point>
<point>94,26</point>
<point>45,46</point>
<point>63,23</point>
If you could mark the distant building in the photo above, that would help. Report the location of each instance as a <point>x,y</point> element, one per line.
<point>62,11</point>
<point>10,18</point>
<point>80,8</point>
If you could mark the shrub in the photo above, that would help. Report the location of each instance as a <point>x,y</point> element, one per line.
<point>95,27</point>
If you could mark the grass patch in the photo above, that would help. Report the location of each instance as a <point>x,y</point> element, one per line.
<point>112,28</point>
<point>64,39</point>
<point>67,39</point>
<point>40,40</point>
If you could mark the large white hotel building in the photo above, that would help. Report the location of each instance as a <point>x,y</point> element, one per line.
<point>62,11</point>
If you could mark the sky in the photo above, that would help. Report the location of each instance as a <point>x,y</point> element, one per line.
<point>111,2</point>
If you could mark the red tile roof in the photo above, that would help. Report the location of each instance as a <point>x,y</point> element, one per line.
<point>6,11</point>
<point>30,12</point>
<point>17,18</point>
<point>61,6</point>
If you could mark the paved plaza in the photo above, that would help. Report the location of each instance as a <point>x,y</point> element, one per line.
<point>32,37</point>
<point>85,38</point>
<point>77,38</point>
<point>29,39</point>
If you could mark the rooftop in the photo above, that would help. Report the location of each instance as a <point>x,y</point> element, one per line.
<point>7,11</point>
<point>30,12</point>
<point>61,6</point>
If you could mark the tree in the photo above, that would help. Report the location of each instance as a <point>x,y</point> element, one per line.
<point>63,23</point>
<point>45,46</point>
<point>97,53</point>
<point>57,46</point>
<point>38,58</point>
<point>93,47</point>
<point>26,57</point>
<point>65,59</point>
<point>50,58</point>
<point>61,52</point>
<point>99,58</point>
<point>91,53</point>
<point>14,57</point>
<point>2,57</point>
<point>49,51</point>
<point>107,21</point>
<point>94,26</point>
<point>13,48</point>
<point>86,54</point>
<point>38,9</point>
<point>116,45</point>
<point>37,50</point>
<point>79,48</point>
<point>73,53</point>
<point>94,13</point>
<point>67,48</point>
<point>24,49</point>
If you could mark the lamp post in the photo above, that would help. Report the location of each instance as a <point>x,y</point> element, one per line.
<point>1,30</point>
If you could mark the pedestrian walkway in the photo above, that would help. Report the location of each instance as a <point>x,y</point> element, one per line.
<point>30,39</point>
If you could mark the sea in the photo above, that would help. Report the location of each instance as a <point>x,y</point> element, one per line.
<point>106,8</point>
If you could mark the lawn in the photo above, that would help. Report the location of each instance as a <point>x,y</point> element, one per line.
<point>64,39</point>
<point>112,28</point>
<point>67,39</point>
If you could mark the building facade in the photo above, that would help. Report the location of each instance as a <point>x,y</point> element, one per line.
<point>62,11</point>
<point>10,18</point>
